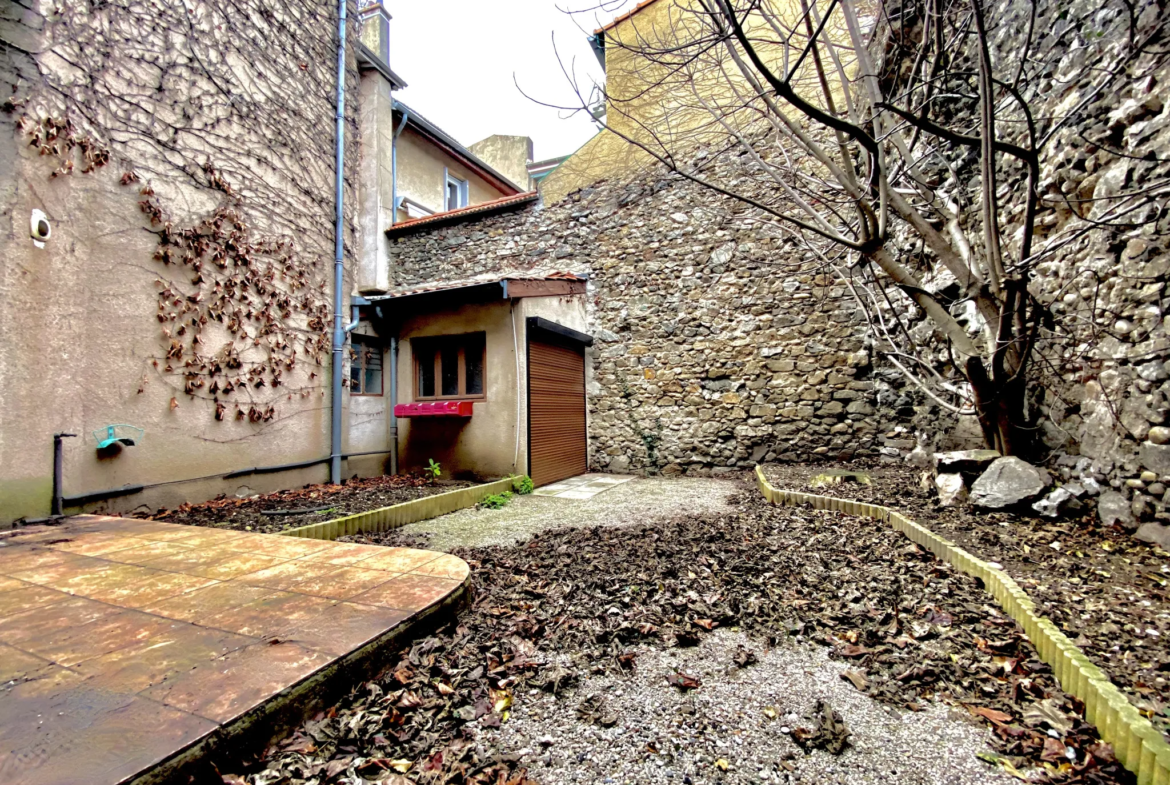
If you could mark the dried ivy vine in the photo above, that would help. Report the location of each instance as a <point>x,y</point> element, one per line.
<point>224,128</point>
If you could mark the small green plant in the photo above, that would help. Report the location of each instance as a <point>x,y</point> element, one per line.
<point>432,471</point>
<point>522,484</point>
<point>496,500</point>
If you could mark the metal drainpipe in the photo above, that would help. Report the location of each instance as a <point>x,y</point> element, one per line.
<point>394,158</point>
<point>57,506</point>
<point>394,339</point>
<point>393,402</point>
<point>339,251</point>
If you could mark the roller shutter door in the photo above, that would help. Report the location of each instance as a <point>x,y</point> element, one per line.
<point>557,445</point>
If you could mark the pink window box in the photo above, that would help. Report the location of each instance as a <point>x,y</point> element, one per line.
<point>434,409</point>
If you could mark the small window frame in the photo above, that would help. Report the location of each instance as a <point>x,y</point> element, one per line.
<point>358,359</point>
<point>431,346</point>
<point>461,186</point>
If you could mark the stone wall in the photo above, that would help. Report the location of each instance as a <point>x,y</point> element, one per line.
<point>1099,86</point>
<point>718,342</point>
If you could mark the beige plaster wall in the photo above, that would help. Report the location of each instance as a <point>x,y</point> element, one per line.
<point>80,331</point>
<point>420,174</point>
<point>508,155</point>
<point>494,441</point>
<point>376,182</point>
<point>485,443</point>
<point>82,342</point>
<point>370,421</point>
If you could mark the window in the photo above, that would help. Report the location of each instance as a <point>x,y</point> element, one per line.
<point>456,193</point>
<point>365,366</point>
<point>449,367</point>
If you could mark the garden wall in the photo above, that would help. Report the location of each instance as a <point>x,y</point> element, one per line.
<point>720,342</point>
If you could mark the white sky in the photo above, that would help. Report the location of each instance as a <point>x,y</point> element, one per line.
<point>458,58</point>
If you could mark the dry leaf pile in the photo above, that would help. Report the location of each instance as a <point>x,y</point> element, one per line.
<point>318,503</point>
<point>575,602</point>
<point>1109,592</point>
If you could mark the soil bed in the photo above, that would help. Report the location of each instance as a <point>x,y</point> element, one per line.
<point>326,502</point>
<point>1109,592</point>
<point>571,606</point>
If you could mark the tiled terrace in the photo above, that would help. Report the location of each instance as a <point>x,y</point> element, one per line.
<point>129,646</point>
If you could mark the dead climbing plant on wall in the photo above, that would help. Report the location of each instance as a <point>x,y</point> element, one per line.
<point>246,314</point>
<point>220,116</point>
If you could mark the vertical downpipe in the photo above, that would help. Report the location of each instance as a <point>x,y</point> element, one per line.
<point>338,260</point>
<point>393,403</point>
<point>57,505</point>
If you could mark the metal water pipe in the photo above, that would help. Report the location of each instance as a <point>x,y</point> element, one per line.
<point>339,256</point>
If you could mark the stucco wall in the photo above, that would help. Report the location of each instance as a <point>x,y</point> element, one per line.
<point>494,441</point>
<point>87,329</point>
<point>508,155</point>
<point>376,181</point>
<point>651,99</point>
<point>420,167</point>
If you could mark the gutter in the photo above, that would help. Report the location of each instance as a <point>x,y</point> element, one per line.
<point>457,150</point>
<point>394,156</point>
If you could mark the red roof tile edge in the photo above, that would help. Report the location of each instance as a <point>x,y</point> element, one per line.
<point>465,211</point>
<point>618,20</point>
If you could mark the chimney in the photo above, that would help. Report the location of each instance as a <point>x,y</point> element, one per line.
<point>376,29</point>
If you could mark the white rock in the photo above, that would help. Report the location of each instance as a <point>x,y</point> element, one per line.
<point>1007,482</point>
<point>1113,508</point>
<point>952,491</point>
<point>1052,504</point>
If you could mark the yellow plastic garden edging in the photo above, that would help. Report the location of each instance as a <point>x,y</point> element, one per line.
<point>1136,742</point>
<point>392,517</point>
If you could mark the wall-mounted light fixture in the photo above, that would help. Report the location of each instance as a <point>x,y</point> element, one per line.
<point>39,228</point>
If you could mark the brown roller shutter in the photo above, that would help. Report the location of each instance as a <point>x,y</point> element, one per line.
<point>556,411</point>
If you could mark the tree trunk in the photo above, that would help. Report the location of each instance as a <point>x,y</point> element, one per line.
<point>1000,409</point>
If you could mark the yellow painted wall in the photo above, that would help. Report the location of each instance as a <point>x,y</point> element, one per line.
<point>664,108</point>
<point>508,155</point>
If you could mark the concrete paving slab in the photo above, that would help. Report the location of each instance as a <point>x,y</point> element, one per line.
<point>129,647</point>
<point>584,486</point>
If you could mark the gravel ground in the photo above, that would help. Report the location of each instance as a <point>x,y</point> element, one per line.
<point>638,501</point>
<point>619,607</point>
<point>741,718</point>
<point>1109,592</point>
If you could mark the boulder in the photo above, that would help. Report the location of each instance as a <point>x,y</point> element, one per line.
<point>619,464</point>
<point>952,491</point>
<point>1008,482</point>
<point>1113,508</point>
<point>1159,434</point>
<point>1154,533</point>
<point>964,461</point>
<point>1155,457</point>
<point>1052,505</point>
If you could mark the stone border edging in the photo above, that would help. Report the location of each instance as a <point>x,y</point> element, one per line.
<point>1138,745</point>
<point>396,515</point>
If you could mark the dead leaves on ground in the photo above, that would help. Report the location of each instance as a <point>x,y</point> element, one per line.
<point>573,603</point>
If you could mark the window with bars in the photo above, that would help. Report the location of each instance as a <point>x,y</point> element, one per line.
<point>365,368</point>
<point>451,366</point>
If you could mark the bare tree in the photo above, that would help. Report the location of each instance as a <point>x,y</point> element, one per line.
<point>897,147</point>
